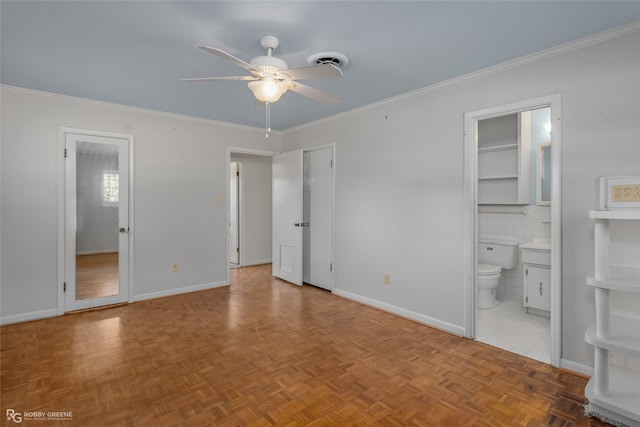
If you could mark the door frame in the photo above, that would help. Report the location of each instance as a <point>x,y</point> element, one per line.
<point>62,136</point>
<point>238,215</point>
<point>230,151</point>
<point>256,152</point>
<point>471,213</point>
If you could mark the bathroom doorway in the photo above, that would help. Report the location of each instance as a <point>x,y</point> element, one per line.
<point>503,148</point>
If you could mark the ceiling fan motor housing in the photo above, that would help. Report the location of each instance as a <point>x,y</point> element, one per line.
<point>268,61</point>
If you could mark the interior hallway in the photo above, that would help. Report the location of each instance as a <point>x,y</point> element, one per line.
<point>264,352</point>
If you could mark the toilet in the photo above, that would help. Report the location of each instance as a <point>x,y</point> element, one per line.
<point>493,256</point>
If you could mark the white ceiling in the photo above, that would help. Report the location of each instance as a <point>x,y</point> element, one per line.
<point>134,52</point>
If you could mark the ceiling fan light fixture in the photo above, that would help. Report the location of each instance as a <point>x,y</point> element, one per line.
<point>268,89</point>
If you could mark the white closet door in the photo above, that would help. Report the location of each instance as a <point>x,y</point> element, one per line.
<point>287,216</point>
<point>318,213</point>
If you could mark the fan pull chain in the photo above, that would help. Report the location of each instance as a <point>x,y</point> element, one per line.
<point>268,119</point>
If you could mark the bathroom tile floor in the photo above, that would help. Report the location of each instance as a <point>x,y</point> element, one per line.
<point>509,327</point>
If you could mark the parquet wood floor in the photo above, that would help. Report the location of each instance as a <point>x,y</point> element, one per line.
<point>263,352</point>
<point>96,275</point>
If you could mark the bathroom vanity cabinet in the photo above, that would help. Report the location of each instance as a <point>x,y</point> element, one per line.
<point>536,276</point>
<point>503,159</point>
<point>614,390</point>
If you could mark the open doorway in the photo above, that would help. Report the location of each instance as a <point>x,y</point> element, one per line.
<point>506,217</point>
<point>259,220</point>
<point>249,209</point>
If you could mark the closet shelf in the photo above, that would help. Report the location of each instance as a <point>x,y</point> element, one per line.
<point>623,400</point>
<point>498,178</point>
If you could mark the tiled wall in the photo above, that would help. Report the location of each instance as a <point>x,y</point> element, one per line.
<point>509,222</point>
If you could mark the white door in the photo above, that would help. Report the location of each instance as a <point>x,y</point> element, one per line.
<point>234,214</point>
<point>96,221</point>
<point>287,216</point>
<point>318,209</point>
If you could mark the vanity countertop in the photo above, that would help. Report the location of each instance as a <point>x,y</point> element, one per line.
<point>540,245</point>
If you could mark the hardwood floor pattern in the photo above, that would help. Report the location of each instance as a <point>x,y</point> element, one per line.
<point>263,352</point>
<point>96,275</point>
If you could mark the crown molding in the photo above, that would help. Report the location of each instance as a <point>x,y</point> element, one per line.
<point>551,52</point>
<point>123,107</point>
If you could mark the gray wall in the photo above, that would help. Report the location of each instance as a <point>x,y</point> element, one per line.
<point>399,180</point>
<point>180,181</point>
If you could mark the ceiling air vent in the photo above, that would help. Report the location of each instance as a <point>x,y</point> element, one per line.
<point>338,59</point>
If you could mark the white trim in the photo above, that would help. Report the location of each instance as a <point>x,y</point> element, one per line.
<point>412,315</point>
<point>99,251</point>
<point>26,317</point>
<point>130,108</point>
<point>581,43</point>
<point>471,212</point>
<point>178,291</point>
<point>257,262</point>
<point>492,70</point>
<point>556,231</point>
<point>576,367</point>
<point>62,136</point>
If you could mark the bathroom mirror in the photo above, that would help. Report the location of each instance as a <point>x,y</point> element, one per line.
<point>543,175</point>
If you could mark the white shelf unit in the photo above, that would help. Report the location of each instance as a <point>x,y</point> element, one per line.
<point>613,391</point>
<point>503,159</point>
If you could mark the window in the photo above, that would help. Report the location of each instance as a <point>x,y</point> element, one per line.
<point>110,188</point>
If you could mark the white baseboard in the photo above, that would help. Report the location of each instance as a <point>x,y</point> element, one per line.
<point>178,291</point>
<point>420,318</point>
<point>26,317</point>
<point>258,262</point>
<point>576,367</point>
<point>99,251</point>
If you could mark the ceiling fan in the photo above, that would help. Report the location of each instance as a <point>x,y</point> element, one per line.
<point>270,76</point>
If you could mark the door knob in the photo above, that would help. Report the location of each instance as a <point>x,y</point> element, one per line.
<point>297,224</point>
<point>122,230</point>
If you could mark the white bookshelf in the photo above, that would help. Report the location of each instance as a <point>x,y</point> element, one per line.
<point>614,391</point>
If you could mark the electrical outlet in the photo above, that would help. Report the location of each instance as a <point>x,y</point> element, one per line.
<point>387,279</point>
<point>174,268</point>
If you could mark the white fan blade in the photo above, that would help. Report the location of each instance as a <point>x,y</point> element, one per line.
<point>321,71</point>
<point>213,79</point>
<point>224,55</point>
<point>314,93</point>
